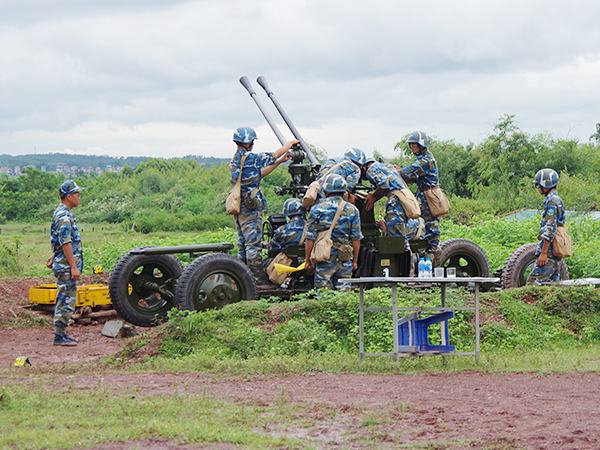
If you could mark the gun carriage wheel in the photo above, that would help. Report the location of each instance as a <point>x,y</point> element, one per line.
<point>214,280</point>
<point>467,257</point>
<point>142,287</point>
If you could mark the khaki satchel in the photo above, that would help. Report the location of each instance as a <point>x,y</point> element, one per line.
<point>279,278</point>
<point>233,204</point>
<point>282,258</point>
<point>322,249</point>
<point>312,192</point>
<point>409,202</point>
<point>437,201</point>
<point>562,246</point>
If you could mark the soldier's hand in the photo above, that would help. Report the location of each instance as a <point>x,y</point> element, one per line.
<point>369,202</point>
<point>308,266</point>
<point>75,273</point>
<point>542,259</point>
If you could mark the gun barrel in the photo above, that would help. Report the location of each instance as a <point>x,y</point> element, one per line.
<point>246,83</point>
<point>263,82</point>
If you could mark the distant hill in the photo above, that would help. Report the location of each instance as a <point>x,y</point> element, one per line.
<point>52,160</point>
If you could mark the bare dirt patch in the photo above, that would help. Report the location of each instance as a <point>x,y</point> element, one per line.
<point>460,410</point>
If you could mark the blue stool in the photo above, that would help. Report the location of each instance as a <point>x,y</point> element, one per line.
<point>413,333</point>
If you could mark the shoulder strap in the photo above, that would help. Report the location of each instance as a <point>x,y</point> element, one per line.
<point>338,213</point>
<point>303,234</point>
<point>239,180</point>
<point>331,169</point>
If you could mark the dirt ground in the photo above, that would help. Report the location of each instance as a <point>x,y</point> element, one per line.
<point>502,411</point>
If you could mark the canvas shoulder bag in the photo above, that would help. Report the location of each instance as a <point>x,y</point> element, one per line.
<point>233,204</point>
<point>322,249</point>
<point>282,258</point>
<point>312,192</point>
<point>408,201</point>
<point>437,201</point>
<point>562,246</point>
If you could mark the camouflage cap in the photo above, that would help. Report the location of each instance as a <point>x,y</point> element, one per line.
<point>69,187</point>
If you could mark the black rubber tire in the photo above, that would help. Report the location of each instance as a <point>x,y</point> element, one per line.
<point>466,256</point>
<point>135,302</point>
<point>213,281</point>
<point>520,263</point>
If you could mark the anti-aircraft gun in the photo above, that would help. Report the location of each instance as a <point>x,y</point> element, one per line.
<point>147,282</point>
<point>377,252</point>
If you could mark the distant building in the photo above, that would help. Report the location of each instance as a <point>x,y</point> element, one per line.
<point>17,170</point>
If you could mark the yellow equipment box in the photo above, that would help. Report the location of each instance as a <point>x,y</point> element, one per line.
<point>90,294</point>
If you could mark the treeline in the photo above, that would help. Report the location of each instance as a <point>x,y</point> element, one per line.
<point>490,178</point>
<point>52,160</point>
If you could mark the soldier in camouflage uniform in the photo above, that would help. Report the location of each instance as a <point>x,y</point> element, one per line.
<point>386,179</point>
<point>291,232</point>
<point>424,172</point>
<point>347,167</point>
<point>67,261</point>
<point>546,267</point>
<point>330,274</point>
<point>249,221</point>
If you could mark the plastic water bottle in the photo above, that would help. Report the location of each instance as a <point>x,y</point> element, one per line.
<point>421,269</point>
<point>428,268</point>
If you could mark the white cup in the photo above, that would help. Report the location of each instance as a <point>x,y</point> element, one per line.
<point>451,272</point>
<point>439,272</point>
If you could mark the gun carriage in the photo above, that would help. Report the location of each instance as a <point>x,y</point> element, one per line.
<point>149,281</point>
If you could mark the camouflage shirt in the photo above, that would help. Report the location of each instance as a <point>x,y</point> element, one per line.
<point>63,230</point>
<point>385,176</point>
<point>423,171</point>
<point>553,216</point>
<point>347,170</point>
<point>347,228</point>
<point>251,173</point>
<point>286,235</point>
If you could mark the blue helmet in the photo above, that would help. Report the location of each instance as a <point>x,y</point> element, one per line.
<point>69,187</point>
<point>356,155</point>
<point>419,137</point>
<point>334,183</point>
<point>293,207</point>
<point>546,178</point>
<point>244,135</point>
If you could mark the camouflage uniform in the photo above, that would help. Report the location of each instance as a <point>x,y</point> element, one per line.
<point>553,216</point>
<point>424,172</point>
<point>63,231</point>
<point>385,176</point>
<point>286,235</point>
<point>249,221</point>
<point>347,170</point>
<point>347,229</point>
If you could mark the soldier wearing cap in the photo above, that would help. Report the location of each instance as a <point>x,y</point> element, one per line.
<point>248,222</point>
<point>67,260</point>
<point>346,235</point>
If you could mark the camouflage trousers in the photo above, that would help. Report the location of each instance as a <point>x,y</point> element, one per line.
<point>432,224</point>
<point>66,299</point>
<point>249,230</point>
<point>545,274</point>
<point>398,224</point>
<point>330,274</point>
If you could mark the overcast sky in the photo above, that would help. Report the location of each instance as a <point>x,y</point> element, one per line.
<point>160,78</point>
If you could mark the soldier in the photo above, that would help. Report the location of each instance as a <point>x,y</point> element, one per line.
<point>248,222</point>
<point>347,167</point>
<point>546,267</point>
<point>386,180</point>
<point>346,236</point>
<point>67,260</point>
<point>424,172</point>
<point>292,232</point>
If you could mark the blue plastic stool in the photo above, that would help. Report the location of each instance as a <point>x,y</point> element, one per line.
<point>413,333</point>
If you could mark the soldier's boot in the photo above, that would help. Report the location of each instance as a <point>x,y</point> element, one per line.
<point>262,281</point>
